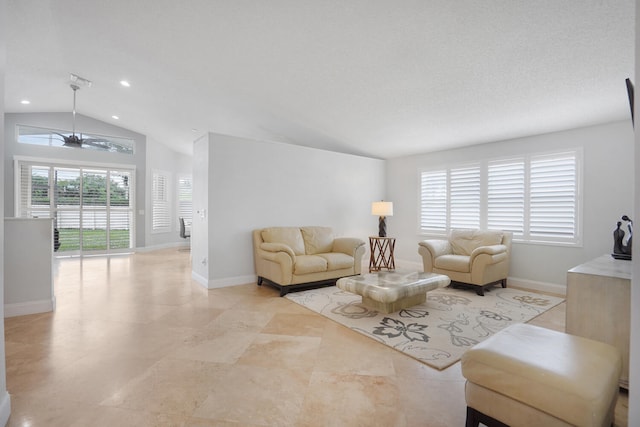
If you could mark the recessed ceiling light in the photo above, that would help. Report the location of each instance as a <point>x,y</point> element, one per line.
<point>125,83</point>
<point>115,117</point>
<point>25,102</point>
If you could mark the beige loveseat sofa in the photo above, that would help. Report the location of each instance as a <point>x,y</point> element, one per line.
<point>479,258</point>
<point>302,257</point>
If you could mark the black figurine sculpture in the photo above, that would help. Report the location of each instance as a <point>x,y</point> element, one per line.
<point>622,246</point>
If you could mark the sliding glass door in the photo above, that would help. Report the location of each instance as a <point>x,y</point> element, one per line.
<point>92,207</point>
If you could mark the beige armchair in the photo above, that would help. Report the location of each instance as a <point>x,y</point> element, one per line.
<point>303,257</point>
<point>478,258</point>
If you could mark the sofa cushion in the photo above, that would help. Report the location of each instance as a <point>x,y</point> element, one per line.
<point>463,242</point>
<point>459,263</point>
<point>290,236</point>
<point>337,260</point>
<point>317,240</point>
<point>306,264</point>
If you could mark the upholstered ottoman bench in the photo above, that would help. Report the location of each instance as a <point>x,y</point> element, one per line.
<point>387,292</point>
<point>530,376</point>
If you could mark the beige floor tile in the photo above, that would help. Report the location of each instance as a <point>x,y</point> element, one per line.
<point>255,395</point>
<point>171,386</point>
<point>294,352</point>
<point>136,342</point>
<point>241,320</point>
<point>217,346</point>
<point>337,399</point>
<point>307,324</point>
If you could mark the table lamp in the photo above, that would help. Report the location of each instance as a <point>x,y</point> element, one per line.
<point>383,210</point>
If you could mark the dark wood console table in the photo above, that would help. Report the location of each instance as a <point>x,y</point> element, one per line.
<point>381,253</point>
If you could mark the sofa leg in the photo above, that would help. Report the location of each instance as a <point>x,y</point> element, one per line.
<point>474,418</point>
<point>480,291</point>
<point>504,283</point>
<point>260,281</point>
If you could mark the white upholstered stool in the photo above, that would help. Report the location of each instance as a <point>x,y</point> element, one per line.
<point>530,376</point>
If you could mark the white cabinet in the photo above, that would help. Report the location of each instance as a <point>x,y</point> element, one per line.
<point>598,304</point>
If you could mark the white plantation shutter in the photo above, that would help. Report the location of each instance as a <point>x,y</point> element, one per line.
<point>464,194</point>
<point>34,191</point>
<point>185,204</point>
<point>160,193</point>
<point>433,201</point>
<point>553,196</point>
<point>506,195</point>
<point>535,197</point>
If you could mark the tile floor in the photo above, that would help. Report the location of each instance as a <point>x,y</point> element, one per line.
<point>135,342</point>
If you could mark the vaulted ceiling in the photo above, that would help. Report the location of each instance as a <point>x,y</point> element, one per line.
<point>371,77</point>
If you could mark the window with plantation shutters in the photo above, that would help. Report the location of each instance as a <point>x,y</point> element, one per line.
<point>91,206</point>
<point>185,205</point>
<point>161,217</point>
<point>536,197</point>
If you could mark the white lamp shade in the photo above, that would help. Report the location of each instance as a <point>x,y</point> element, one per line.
<point>382,208</point>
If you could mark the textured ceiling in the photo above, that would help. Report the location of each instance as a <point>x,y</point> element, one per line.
<point>371,77</point>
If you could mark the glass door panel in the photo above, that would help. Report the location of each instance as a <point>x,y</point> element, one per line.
<point>92,208</point>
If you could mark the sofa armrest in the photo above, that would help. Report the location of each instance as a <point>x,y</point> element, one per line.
<point>489,263</point>
<point>437,247</point>
<point>347,245</point>
<point>271,249</point>
<point>430,250</point>
<point>489,250</point>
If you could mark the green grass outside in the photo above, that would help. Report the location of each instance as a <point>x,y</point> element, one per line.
<point>92,239</point>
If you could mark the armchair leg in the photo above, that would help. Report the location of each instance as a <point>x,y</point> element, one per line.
<point>504,282</point>
<point>480,291</point>
<point>260,281</point>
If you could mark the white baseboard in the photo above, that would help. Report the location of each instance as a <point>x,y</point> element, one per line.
<point>225,282</point>
<point>516,282</point>
<point>177,245</point>
<point>200,279</point>
<point>5,408</point>
<point>29,307</point>
<point>532,285</point>
<point>232,281</point>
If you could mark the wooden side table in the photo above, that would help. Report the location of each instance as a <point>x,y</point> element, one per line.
<point>381,253</point>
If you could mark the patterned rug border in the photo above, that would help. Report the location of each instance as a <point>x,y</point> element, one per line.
<point>459,319</point>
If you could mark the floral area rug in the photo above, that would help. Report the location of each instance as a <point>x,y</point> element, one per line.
<point>438,331</point>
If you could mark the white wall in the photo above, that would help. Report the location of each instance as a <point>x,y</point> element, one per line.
<point>28,269</point>
<point>85,124</point>
<point>634,363</point>
<point>254,184</point>
<point>607,194</point>
<point>5,399</point>
<point>200,225</point>
<point>162,158</point>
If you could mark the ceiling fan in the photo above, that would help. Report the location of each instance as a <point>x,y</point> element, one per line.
<point>74,140</point>
<point>61,138</point>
